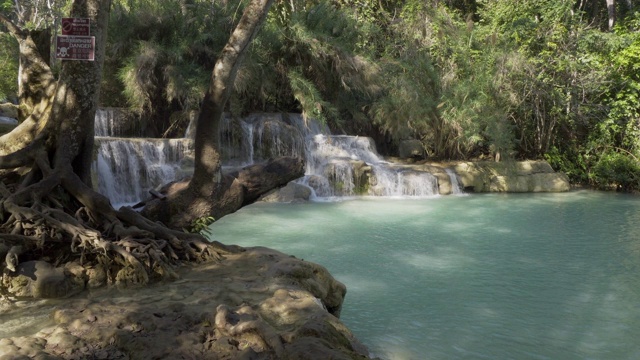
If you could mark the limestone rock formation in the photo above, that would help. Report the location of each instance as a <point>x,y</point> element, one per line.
<point>256,304</point>
<point>291,193</point>
<point>522,176</point>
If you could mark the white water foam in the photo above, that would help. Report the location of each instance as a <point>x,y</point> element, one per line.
<point>337,166</point>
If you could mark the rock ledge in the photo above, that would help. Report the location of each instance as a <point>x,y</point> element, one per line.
<point>258,304</point>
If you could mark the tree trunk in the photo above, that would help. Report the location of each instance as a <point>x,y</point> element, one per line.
<point>207,167</point>
<point>611,10</point>
<point>77,95</point>
<point>209,193</point>
<point>48,209</point>
<point>34,77</point>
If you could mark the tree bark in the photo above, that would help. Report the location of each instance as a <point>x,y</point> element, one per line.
<point>77,94</point>
<point>209,193</point>
<point>258,179</point>
<point>611,10</point>
<point>49,206</point>
<point>207,166</point>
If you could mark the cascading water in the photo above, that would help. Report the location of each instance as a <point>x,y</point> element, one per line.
<point>112,122</point>
<point>352,166</point>
<point>336,165</point>
<point>259,137</point>
<point>127,168</point>
<point>456,188</point>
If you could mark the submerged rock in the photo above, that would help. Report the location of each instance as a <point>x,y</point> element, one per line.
<point>291,193</point>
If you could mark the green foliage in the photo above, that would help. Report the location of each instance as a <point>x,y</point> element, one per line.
<point>617,169</point>
<point>310,99</point>
<point>573,162</point>
<point>8,66</point>
<point>163,53</point>
<point>201,226</point>
<point>522,79</point>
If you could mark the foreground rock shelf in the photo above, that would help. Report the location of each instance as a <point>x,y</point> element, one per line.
<point>258,304</point>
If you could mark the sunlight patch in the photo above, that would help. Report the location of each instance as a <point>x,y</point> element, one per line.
<point>438,260</point>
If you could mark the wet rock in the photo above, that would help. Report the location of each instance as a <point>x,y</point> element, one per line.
<point>292,192</point>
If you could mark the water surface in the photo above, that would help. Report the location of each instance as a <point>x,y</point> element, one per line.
<point>528,276</point>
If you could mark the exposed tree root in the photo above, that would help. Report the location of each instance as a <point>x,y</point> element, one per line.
<point>60,215</point>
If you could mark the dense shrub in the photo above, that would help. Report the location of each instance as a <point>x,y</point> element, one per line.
<point>619,170</point>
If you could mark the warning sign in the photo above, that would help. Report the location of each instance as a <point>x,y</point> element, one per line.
<point>75,26</point>
<point>75,47</point>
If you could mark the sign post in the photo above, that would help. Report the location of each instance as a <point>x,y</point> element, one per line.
<point>75,42</point>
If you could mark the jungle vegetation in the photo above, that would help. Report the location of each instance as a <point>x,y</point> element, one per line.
<point>472,79</point>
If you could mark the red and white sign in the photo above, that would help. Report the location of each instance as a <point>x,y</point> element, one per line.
<point>75,47</point>
<point>75,26</point>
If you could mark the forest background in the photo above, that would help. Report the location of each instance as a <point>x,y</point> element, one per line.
<point>471,79</point>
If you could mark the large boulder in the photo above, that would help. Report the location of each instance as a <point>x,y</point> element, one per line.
<point>521,176</point>
<point>293,192</point>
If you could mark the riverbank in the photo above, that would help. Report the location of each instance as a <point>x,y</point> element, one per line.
<point>257,304</point>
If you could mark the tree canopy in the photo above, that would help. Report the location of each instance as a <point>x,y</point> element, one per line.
<point>549,79</point>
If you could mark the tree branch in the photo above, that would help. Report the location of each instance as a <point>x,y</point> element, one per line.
<point>19,33</point>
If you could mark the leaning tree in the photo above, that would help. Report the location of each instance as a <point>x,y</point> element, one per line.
<point>48,209</point>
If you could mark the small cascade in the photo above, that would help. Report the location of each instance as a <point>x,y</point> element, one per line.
<point>401,182</point>
<point>114,122</point>
<point>456,188</point>
<point>259,137</point>
<point>128,167</point>
<point>340,165</point>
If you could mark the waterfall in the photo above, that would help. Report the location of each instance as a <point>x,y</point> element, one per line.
<point>127,167</point>
<point>115,122</point>
<point>456,188</point>
<point>259,137</point>
<point>352,166</point>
